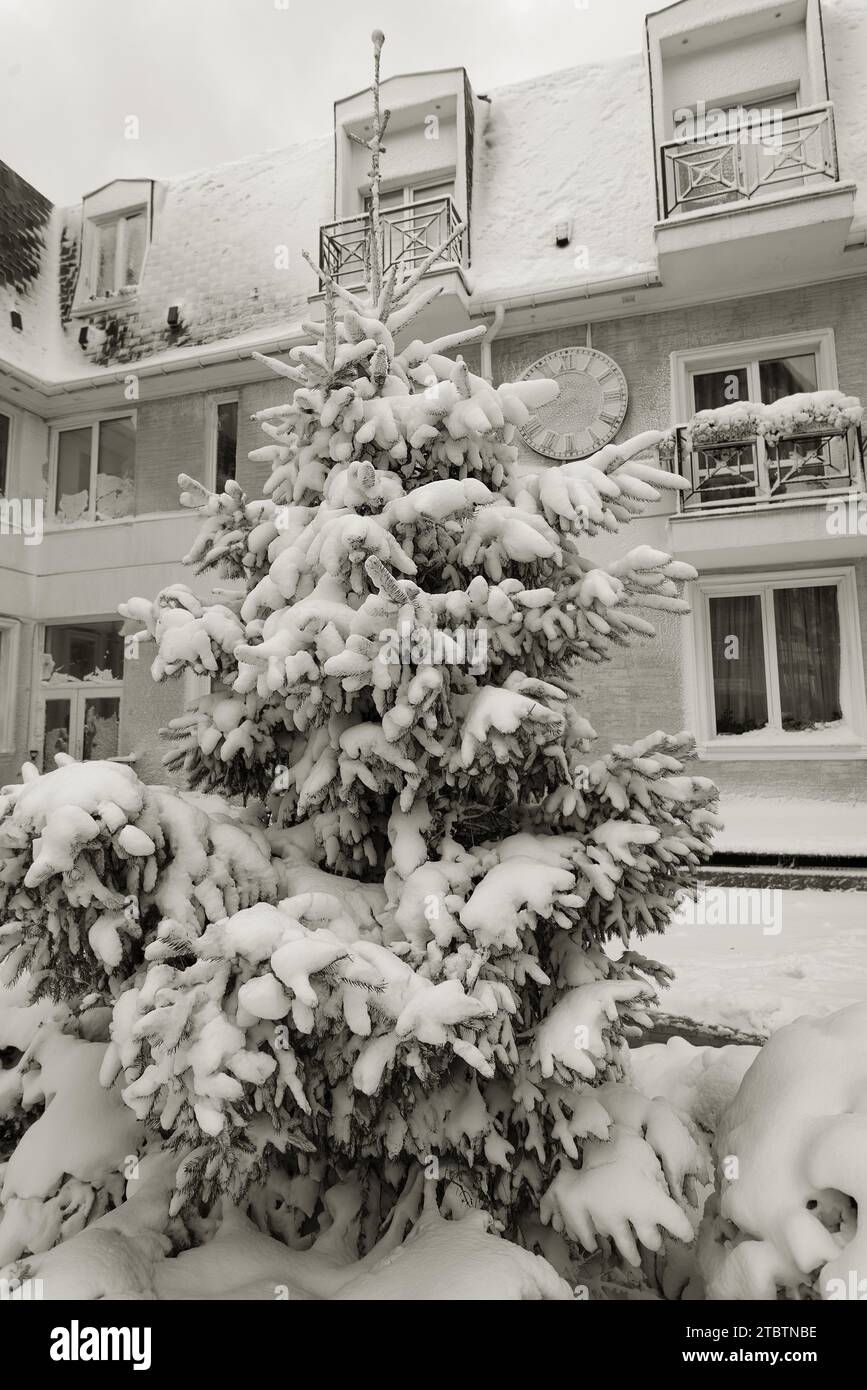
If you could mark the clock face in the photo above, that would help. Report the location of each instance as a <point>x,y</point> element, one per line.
<point>589,409</point>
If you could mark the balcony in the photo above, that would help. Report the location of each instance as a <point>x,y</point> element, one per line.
<point>775,152</point>
<point>408,234</point>
<point>754,502</point>
<point>755,205</point>
<point>738,473</point>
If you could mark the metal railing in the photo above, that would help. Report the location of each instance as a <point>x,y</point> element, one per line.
<point>743,472</point>
<point>786,150</point>
<point>408,234</point>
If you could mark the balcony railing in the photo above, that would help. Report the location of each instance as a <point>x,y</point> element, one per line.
<point>743,472</point>
<point>408,234</point>
<point>772,151</point>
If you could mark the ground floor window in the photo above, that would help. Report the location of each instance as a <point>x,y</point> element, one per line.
<point>779,661</point>
<point>80,691</point>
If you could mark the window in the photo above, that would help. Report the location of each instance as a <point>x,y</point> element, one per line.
<point>9,629</point>
<point>762,371</point>
<point>765,379</point>
<point>94,471</point>
<point>412,193</point>
<point>731,149</point>
<point>779,662</point>
<point>5,437</point>
<point>758,369</point>
<point>118,247</point>
<point>225,446</point>
<point>80,691</point>
<point>417,218</point>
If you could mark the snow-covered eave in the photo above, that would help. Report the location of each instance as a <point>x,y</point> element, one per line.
<point>169,364</point>
<point>485,301</point>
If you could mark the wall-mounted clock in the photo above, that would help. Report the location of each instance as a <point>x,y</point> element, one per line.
<point>589,409</point>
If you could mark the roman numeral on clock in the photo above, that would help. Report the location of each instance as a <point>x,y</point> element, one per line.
<point>607,419</point>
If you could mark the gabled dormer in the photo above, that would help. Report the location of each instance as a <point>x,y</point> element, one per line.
<point>116,228</point>
<point>427,180</point>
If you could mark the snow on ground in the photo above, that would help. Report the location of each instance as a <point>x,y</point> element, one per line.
<point>811,959</point>
<point>796,825</point>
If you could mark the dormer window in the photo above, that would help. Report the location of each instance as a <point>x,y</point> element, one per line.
<point>119,247</point>
<point>115,232</point>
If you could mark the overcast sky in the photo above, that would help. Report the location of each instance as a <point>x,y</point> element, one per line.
<point>215,80</point>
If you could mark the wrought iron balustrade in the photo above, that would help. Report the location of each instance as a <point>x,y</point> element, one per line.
<point>768,151</point>
<point>407,234</point>
<point>743,472</point>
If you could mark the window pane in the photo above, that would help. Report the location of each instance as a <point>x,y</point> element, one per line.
<point>393,199</point>
<point>227,442</point>
<point>101,726</point>
<point>134,248</point>
<point>808,655</point>
<point>738,655</point>
<point>106,233</point>
<point>4,453</point>
<point>714,389</point>
<point>787,376</point>
<point>115,470</point>
<point>73,474</point>
<point>57,728</point>
<point>433,190</point>
<point>83,651</point>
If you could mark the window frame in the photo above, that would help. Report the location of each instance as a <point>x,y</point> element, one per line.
<point>10,645</point>
<point>91,422</point>
<point>119,218</point>
<point>408,190</point>
<point>9,485</point>
<point>76,691</point>
<point>716,357</point>
<point>780,745</point>
<point>213,416</point>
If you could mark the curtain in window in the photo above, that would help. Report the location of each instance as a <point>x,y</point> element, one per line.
<point>808,655</point>
<point>738,653</point>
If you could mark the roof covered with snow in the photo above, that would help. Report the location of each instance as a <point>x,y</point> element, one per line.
<point>574,146</point>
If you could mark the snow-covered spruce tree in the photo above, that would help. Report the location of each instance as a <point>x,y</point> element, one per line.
<point>394,668</point>
<point>96,867</point>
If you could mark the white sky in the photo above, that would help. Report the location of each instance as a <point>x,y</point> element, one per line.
<point>215,80</point>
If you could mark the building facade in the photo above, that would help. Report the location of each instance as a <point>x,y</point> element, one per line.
<point>680,230</point>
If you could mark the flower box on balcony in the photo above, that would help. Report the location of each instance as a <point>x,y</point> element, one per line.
<point>734,424</point>
<point>809,413</point>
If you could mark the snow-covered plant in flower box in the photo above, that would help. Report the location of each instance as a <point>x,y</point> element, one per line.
<point>429,1016</point>
<point>810,413</point>
<point>727,424</point>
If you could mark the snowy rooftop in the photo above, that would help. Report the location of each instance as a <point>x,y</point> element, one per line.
<point>571,146</point>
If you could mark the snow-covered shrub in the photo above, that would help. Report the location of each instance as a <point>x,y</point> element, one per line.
<point>788,1216</point>
<point>95,866</point>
